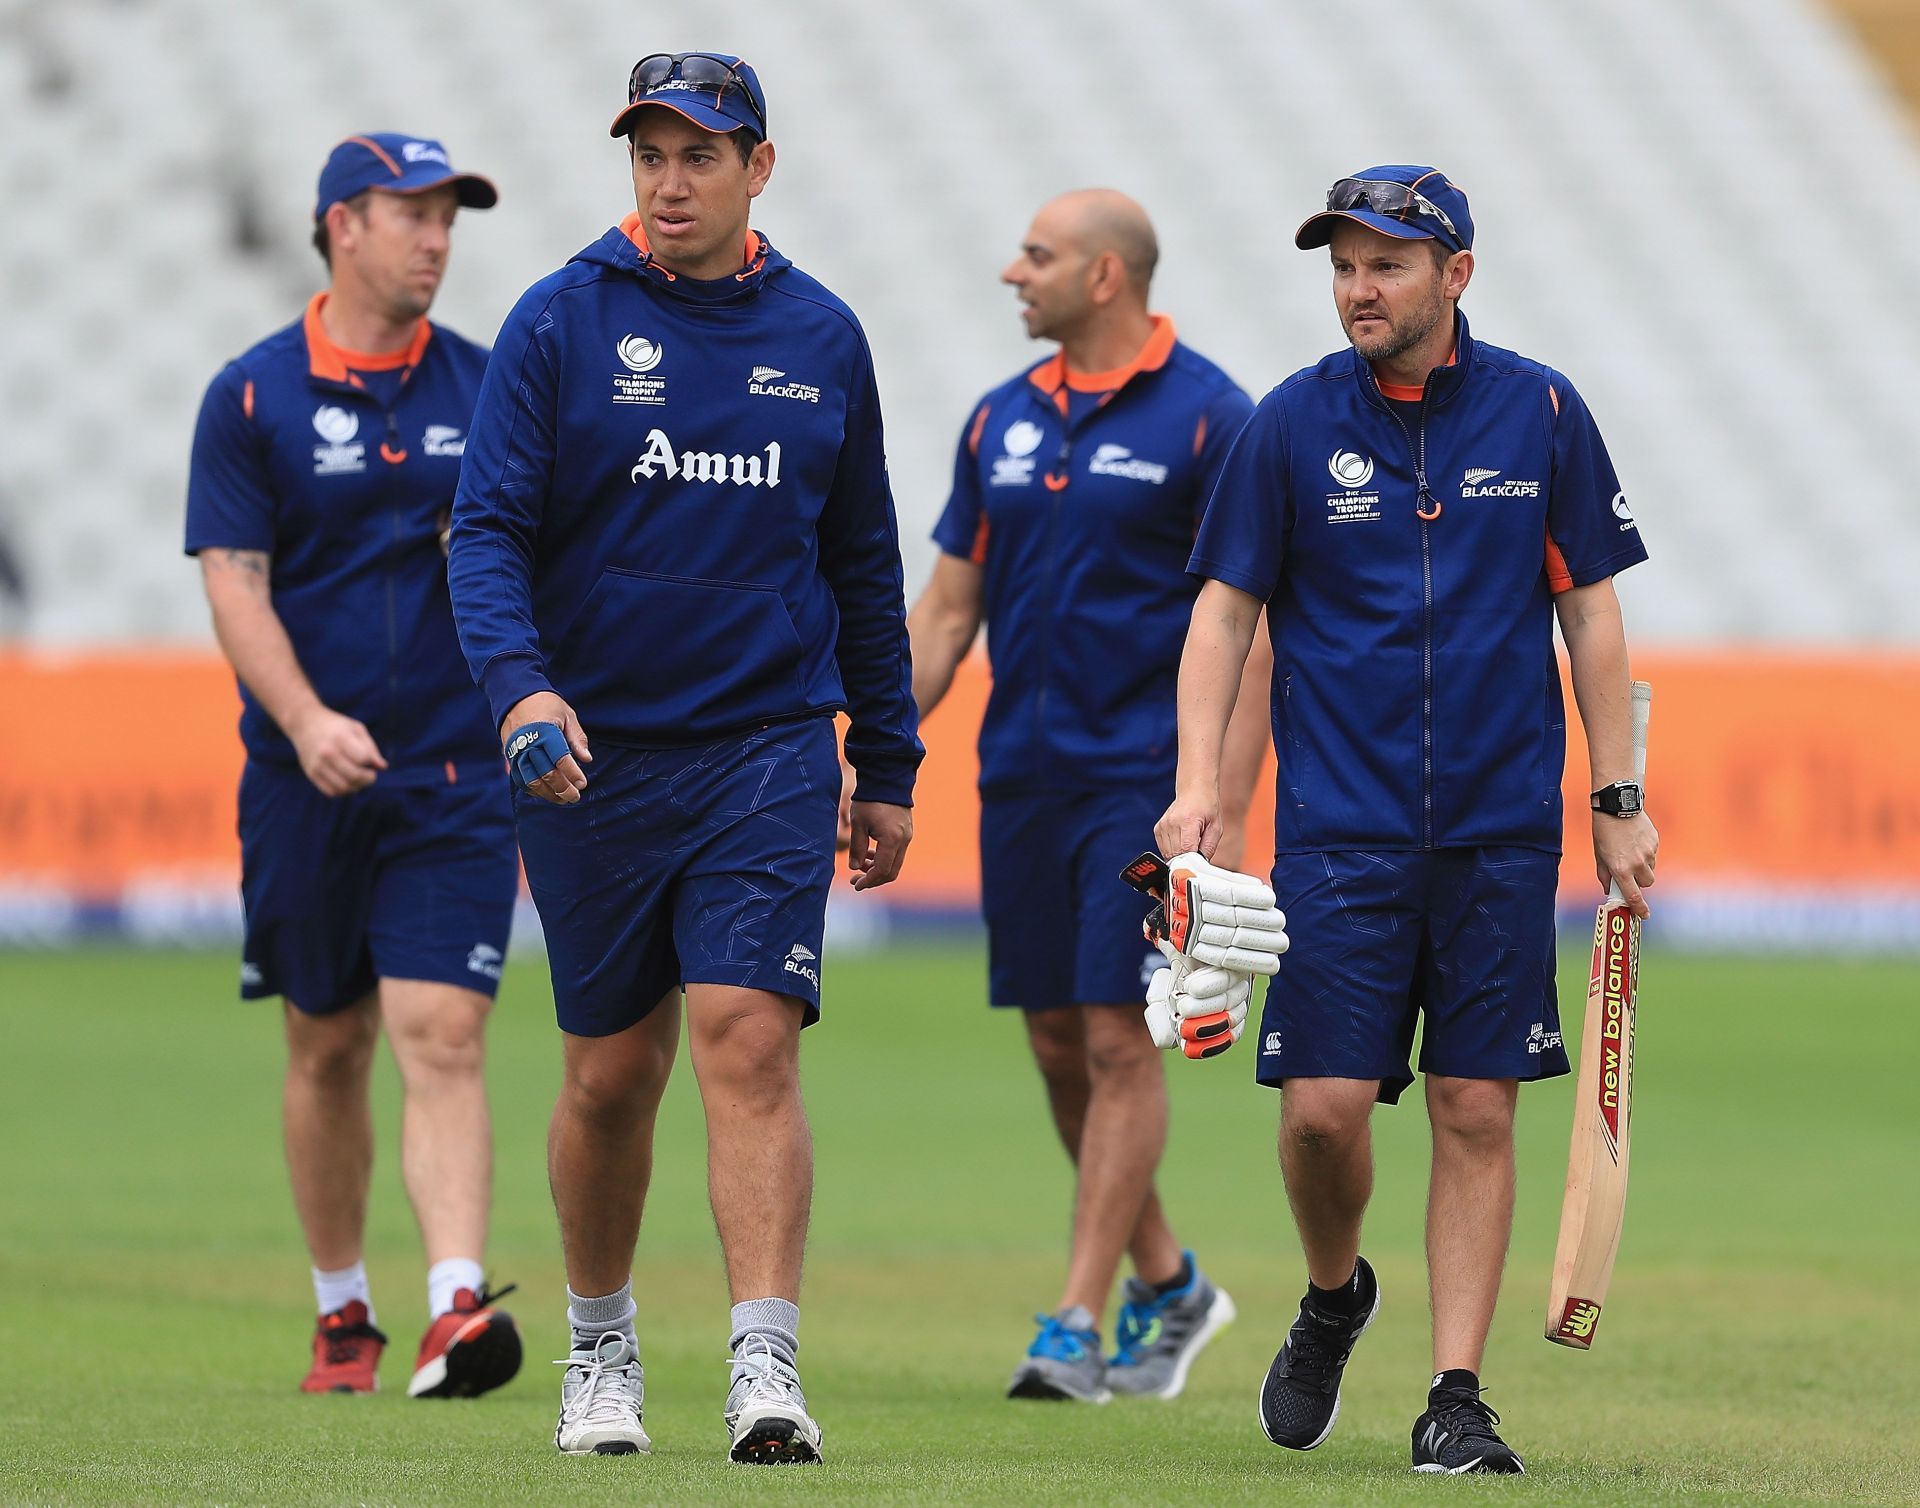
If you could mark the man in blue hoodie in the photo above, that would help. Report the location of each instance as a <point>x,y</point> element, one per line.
<point>1414,513</point>
<point>674,536</point>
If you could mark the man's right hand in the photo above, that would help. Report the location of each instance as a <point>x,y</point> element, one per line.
<point>1191,825</point>
<point>337,753</point>
<point>562,784</point>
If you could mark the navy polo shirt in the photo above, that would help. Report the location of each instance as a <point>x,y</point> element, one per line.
<point>1079,495</point>
<point>343,467</point>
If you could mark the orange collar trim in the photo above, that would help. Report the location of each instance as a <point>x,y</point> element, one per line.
<point>751,256</point>
<point>335,363</point>
<point>1052,375</point>
<point>1404,394</point>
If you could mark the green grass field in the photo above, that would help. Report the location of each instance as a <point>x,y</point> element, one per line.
<point>1760,1344</point>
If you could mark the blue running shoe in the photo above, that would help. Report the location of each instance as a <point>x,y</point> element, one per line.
<point>1159,1334</point>
<point>1064,1360</point>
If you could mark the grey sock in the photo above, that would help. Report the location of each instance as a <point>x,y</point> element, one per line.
<point>775,1321</point>
<point>593,1318</point>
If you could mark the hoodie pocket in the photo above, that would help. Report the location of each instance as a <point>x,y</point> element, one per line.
<point>675,656</point>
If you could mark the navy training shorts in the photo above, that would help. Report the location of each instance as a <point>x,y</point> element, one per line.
<point>393,882</point>
<point>1062,927</point>
<point>1462,937</point>
<point>701,865</point>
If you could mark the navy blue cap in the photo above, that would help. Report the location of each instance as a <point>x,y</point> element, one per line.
<point>398,163</point>
<point>721,109</point>
<point>1410,224</point>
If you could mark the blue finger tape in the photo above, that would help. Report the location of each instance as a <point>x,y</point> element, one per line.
<point>535,749</point>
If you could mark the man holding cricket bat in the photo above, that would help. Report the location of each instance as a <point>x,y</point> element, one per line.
<point>1413,513</point>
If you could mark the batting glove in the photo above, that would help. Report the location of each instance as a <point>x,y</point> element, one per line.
<point>1214,916</point>
<point>1200,1011</point>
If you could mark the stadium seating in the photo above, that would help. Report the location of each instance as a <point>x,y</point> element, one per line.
<point>1707,213</point>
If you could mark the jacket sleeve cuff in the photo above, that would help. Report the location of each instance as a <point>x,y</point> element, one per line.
<point>511,678</point>
<point>889,781</point>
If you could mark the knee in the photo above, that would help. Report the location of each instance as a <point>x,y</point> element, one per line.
<point>750,1046</point>
<point>333,1052</point>
<point>608,1089</point>
<point>1473,1112</point>
<point>445,1043</point>
<point>1120,1050</point>
<point>1061,1056</point>
<point>1322,1124</point>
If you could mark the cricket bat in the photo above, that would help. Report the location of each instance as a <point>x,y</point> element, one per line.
<point>1596,1201</point>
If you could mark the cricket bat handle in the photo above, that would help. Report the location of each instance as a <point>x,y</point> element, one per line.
<point>1642,706</point>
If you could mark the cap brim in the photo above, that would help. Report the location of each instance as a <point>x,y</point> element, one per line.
<point>702,115</point>
<point>1317,230</point>
<point>474,191</point>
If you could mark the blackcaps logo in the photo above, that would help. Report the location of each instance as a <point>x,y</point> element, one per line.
<point>1350,469</point>
<point>335,425</point>
<point>800,960</point>
<point>638,354</point>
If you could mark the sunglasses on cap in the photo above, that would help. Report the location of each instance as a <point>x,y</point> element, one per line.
<point>701,70</point>
<point>1385,197</point>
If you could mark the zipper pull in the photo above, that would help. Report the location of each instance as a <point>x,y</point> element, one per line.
<point>390,448</point>
<point>1426,500</point>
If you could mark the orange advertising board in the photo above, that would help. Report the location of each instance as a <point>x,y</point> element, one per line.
<point>1765,769</point>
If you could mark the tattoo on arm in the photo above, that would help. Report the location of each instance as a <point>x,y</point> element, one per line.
<point>254,562</point>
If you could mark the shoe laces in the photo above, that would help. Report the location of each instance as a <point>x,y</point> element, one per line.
<point>487,1295</point>
<point>1061,1342</point>
<point>760,1373</point>
<point>603,1395</point>
<point>343,1342</point>
<point>1314,1347</point>
<point>1137,1328</point>
<point>1462,1413</point>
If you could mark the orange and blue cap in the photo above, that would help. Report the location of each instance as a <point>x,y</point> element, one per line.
<point>1408,201</point>
<point>717,91</point>
<point>395,163</point>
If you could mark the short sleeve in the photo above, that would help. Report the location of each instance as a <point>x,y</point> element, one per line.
<point>1591,534</point>
<point>1243,534</point>
<point>1220,424</point>
<point>962,529</point>
<point>229,493</point>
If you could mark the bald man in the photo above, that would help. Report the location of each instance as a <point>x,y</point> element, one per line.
<point>1077,491</point>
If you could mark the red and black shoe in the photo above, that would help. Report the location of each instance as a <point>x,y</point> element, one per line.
<point>346,1352</point>
<point>471,1349</point>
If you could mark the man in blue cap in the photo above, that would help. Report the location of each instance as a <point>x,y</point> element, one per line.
<point>377,859</point>
<point>1414,513</point>
<point>674,536</point>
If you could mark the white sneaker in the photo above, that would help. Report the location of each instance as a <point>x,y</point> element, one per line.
<point>600,1400</point>
<point>766,1413</point>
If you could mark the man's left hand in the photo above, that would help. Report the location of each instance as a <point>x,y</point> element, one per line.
<point>1623,852</point>
<point>877,839</point>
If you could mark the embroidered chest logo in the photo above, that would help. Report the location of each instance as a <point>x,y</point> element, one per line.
<point>1117,460</point>
<point>339,453</point>
<point>1357,502</point>
<point>760,469</point>
<point>443,440</point>
<point>771,382</point>
<point>639,356</point>
<point>1478,481</point>
<point>1014,467</point>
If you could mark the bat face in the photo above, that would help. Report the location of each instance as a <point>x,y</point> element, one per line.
<point>1590,1218</point>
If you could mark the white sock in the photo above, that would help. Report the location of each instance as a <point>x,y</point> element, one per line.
<point>444,1279</point>
<point>335,1290</point>
<point>593,1317</point>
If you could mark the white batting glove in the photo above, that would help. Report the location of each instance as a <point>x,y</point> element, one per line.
<point>1199,1009</point>
<point>1214,916</point>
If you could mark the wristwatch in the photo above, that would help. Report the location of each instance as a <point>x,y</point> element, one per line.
<point>1621,799</point>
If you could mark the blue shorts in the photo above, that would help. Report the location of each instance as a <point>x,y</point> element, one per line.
<point>1460,936</point>
<point>702,865</point>
<point>1062,927</point>
<point>393,882</point>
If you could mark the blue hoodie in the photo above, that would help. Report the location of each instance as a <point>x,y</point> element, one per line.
<point>1409,553</point>
<point>674,511</point>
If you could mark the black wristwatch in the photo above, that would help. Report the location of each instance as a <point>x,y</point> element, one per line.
<point>1621,799</point>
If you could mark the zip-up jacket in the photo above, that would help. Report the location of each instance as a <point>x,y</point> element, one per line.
<point>343,468</point>
<point>1409,552</point>
<point>675,511</point>
<point>1079,494</point>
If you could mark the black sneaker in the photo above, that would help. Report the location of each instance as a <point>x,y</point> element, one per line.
<point>1455,1436</point>
<point>1301,1397</point>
